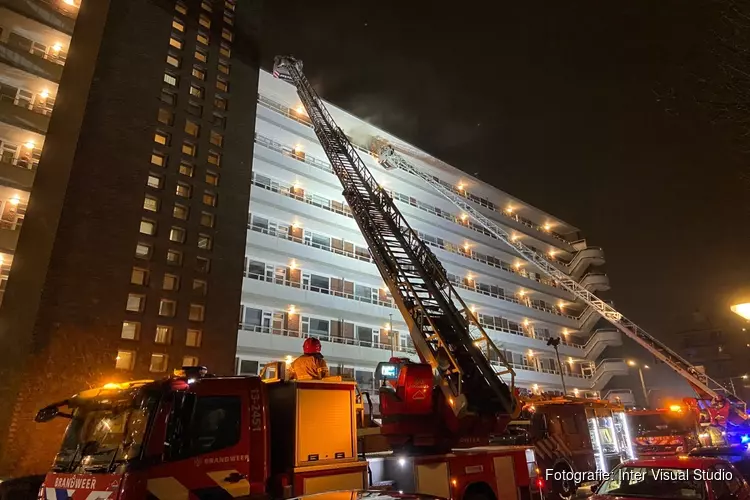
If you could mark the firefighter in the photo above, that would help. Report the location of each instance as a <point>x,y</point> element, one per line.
<point>311,364</point>
<point>719,414</point>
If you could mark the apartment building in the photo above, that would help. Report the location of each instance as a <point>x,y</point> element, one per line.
<point>123,130</point>
<point>308,271</point>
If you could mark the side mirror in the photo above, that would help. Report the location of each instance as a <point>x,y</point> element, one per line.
<point>46,414</point>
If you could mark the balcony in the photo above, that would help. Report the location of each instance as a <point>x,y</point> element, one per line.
<point>54,13</point>
<point>42,66</point>
<point>605,370</point>
<point>27,117</point>
<point>9,239</point>
<point>581,261</point>
<point>595,282</point>
<point>624,397</point>
<point>17,173</point>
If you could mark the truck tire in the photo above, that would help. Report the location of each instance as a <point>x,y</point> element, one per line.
<point>479,491</point>
<point>563,489</point>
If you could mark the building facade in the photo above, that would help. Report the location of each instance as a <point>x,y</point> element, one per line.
<point>308,271</point>
<point>130,260</point>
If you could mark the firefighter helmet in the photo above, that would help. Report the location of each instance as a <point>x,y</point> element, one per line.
<point>311,346</point>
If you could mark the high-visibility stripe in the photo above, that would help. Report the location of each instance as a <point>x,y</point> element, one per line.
<point>167,488</point>
<point>238,489</point>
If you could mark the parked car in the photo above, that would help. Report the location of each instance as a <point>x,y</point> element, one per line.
<point>678,478</point>
<point>737,455</point>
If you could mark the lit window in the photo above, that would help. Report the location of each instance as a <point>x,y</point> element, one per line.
<point>214,158</point>
<point>125,360</point>
<point>216,139</point>
<point>192,128</point>
<point>135,302</point>
<point>158,363</point>
<point>130,330</point>
<point>139,276</point>
<point>201,56</point>
<point>193,338</point>
<point>229,5</point>
<point>170,79</point>
<point>196,312</point>
<point>174,42</point>
<point>203,264</point>
<point>170,282</point>
<point>173,60</point>
<point>206,6</point>
<point>202,38</point>
<point>180,211</point>
<point>161,138</point>
<point>151,204</point>
<point>196,91</point>
<point>183,190</point>
<point>165,116</point>
<point>189,148</point>
<point>168,97</point>
<point>181,8</point>
<point>186,169</point>
<point>189,361</point>
<point>212,178</point>
<point>204,21</point>
<point>226,34</point>
<point>200,287</point>
<point>207,219</point>
<point>142,251</point>
<point>209,198</point>
<point>177,234</point>
<point>220,103</point>
<point>177,24</point>
<point>174,257</point>
<point>154,181</point>
<point>163,335</point>
<point>167,308</point>
<point>204,242</point>
<point>158,159</point>
<point>228,19</point>
<point>225,50</point>
<point>222,85</point>
<point>199,73</point>
<point>148,227</point>
<point>223,68</point>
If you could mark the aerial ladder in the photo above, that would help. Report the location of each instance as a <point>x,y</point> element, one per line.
<point>705,386</point>
<point>477,396</point>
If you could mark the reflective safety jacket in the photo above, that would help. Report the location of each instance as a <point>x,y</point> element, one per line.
<point>308,366</point>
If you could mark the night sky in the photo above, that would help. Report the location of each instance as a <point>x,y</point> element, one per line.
<point>589,110</point>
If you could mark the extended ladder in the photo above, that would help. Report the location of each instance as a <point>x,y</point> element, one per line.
<point>702,383</point>
<point>438,320</point>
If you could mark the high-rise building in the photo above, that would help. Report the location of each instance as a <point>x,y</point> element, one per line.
<point>130,259</point>
<point>308,271</point>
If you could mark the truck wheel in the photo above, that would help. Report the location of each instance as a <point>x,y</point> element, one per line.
<point>563,489</point>
<point>479,492</point>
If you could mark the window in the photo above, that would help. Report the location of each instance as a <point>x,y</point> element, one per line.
<point>205,5</point>
<point>225,50</point>
<point>177,234</point>
<point>174,42</point>
<point>319,283</point>
<point>212,178</point>
<point>204,21</point>
<point>181,8</point>
<point>200,287</point>
<point>202,38</point>
<point>186,169</point>
<point>174,257</point>
<point>220,103</point>
<point>135,302</point>
<point>183,190</point>
<point>202,265</point>
<point>196,312</point>
<point>207,219</point>
<point>200,55</point>
<point>214,158</point>
<point>170,79</point>
<point>148,227</point>
<point>180,211</point>
<point>229,5</point>
<point>216,138</point>
<point>192,128</point>
<point>139,276</point>
<point>195,109</point>
<point>190,361</point>
<point>177,25</point>
<point>165,116</point>
<point>199,73</point>
<point>226,34</point>
<point>193,338</point>
<point>228,20</point>
<point>188,148</point>
<point>142,251</point>
<point>173,60</point>
<point>161,138</point>
<point>318,328</point>
<point>158,159</point>
<point>222,85</point>
<point>151,203</point>
<point>168,97</point>
<point>163,335</point>
<point>248,367</point>
<point>209,198</point>
<point>256,268</point>
<point>158,363</point>
<point>167,308</point>
<point>204,242</point>
<point>223,67</point>
<point>125,360</point>
<point>170,282</point>
<point>154,181</point>
<point>219,121</point>
<point>130,330</point>
<point>216,424</point>
<point>197,91</point>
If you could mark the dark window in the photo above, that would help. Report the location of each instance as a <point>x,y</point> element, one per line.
<point>216,423</point>
<point>255,267</point>
<point>248,367</point>
<point>252,316</point>
<point>319,283</point>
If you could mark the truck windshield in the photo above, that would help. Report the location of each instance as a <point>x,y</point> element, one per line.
<point>98,439</point>
<point>653,425</point>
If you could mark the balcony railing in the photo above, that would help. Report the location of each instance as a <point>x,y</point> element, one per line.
<point>35,108</point>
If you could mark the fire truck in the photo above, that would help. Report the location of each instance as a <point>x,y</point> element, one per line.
<point>666,431</point>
